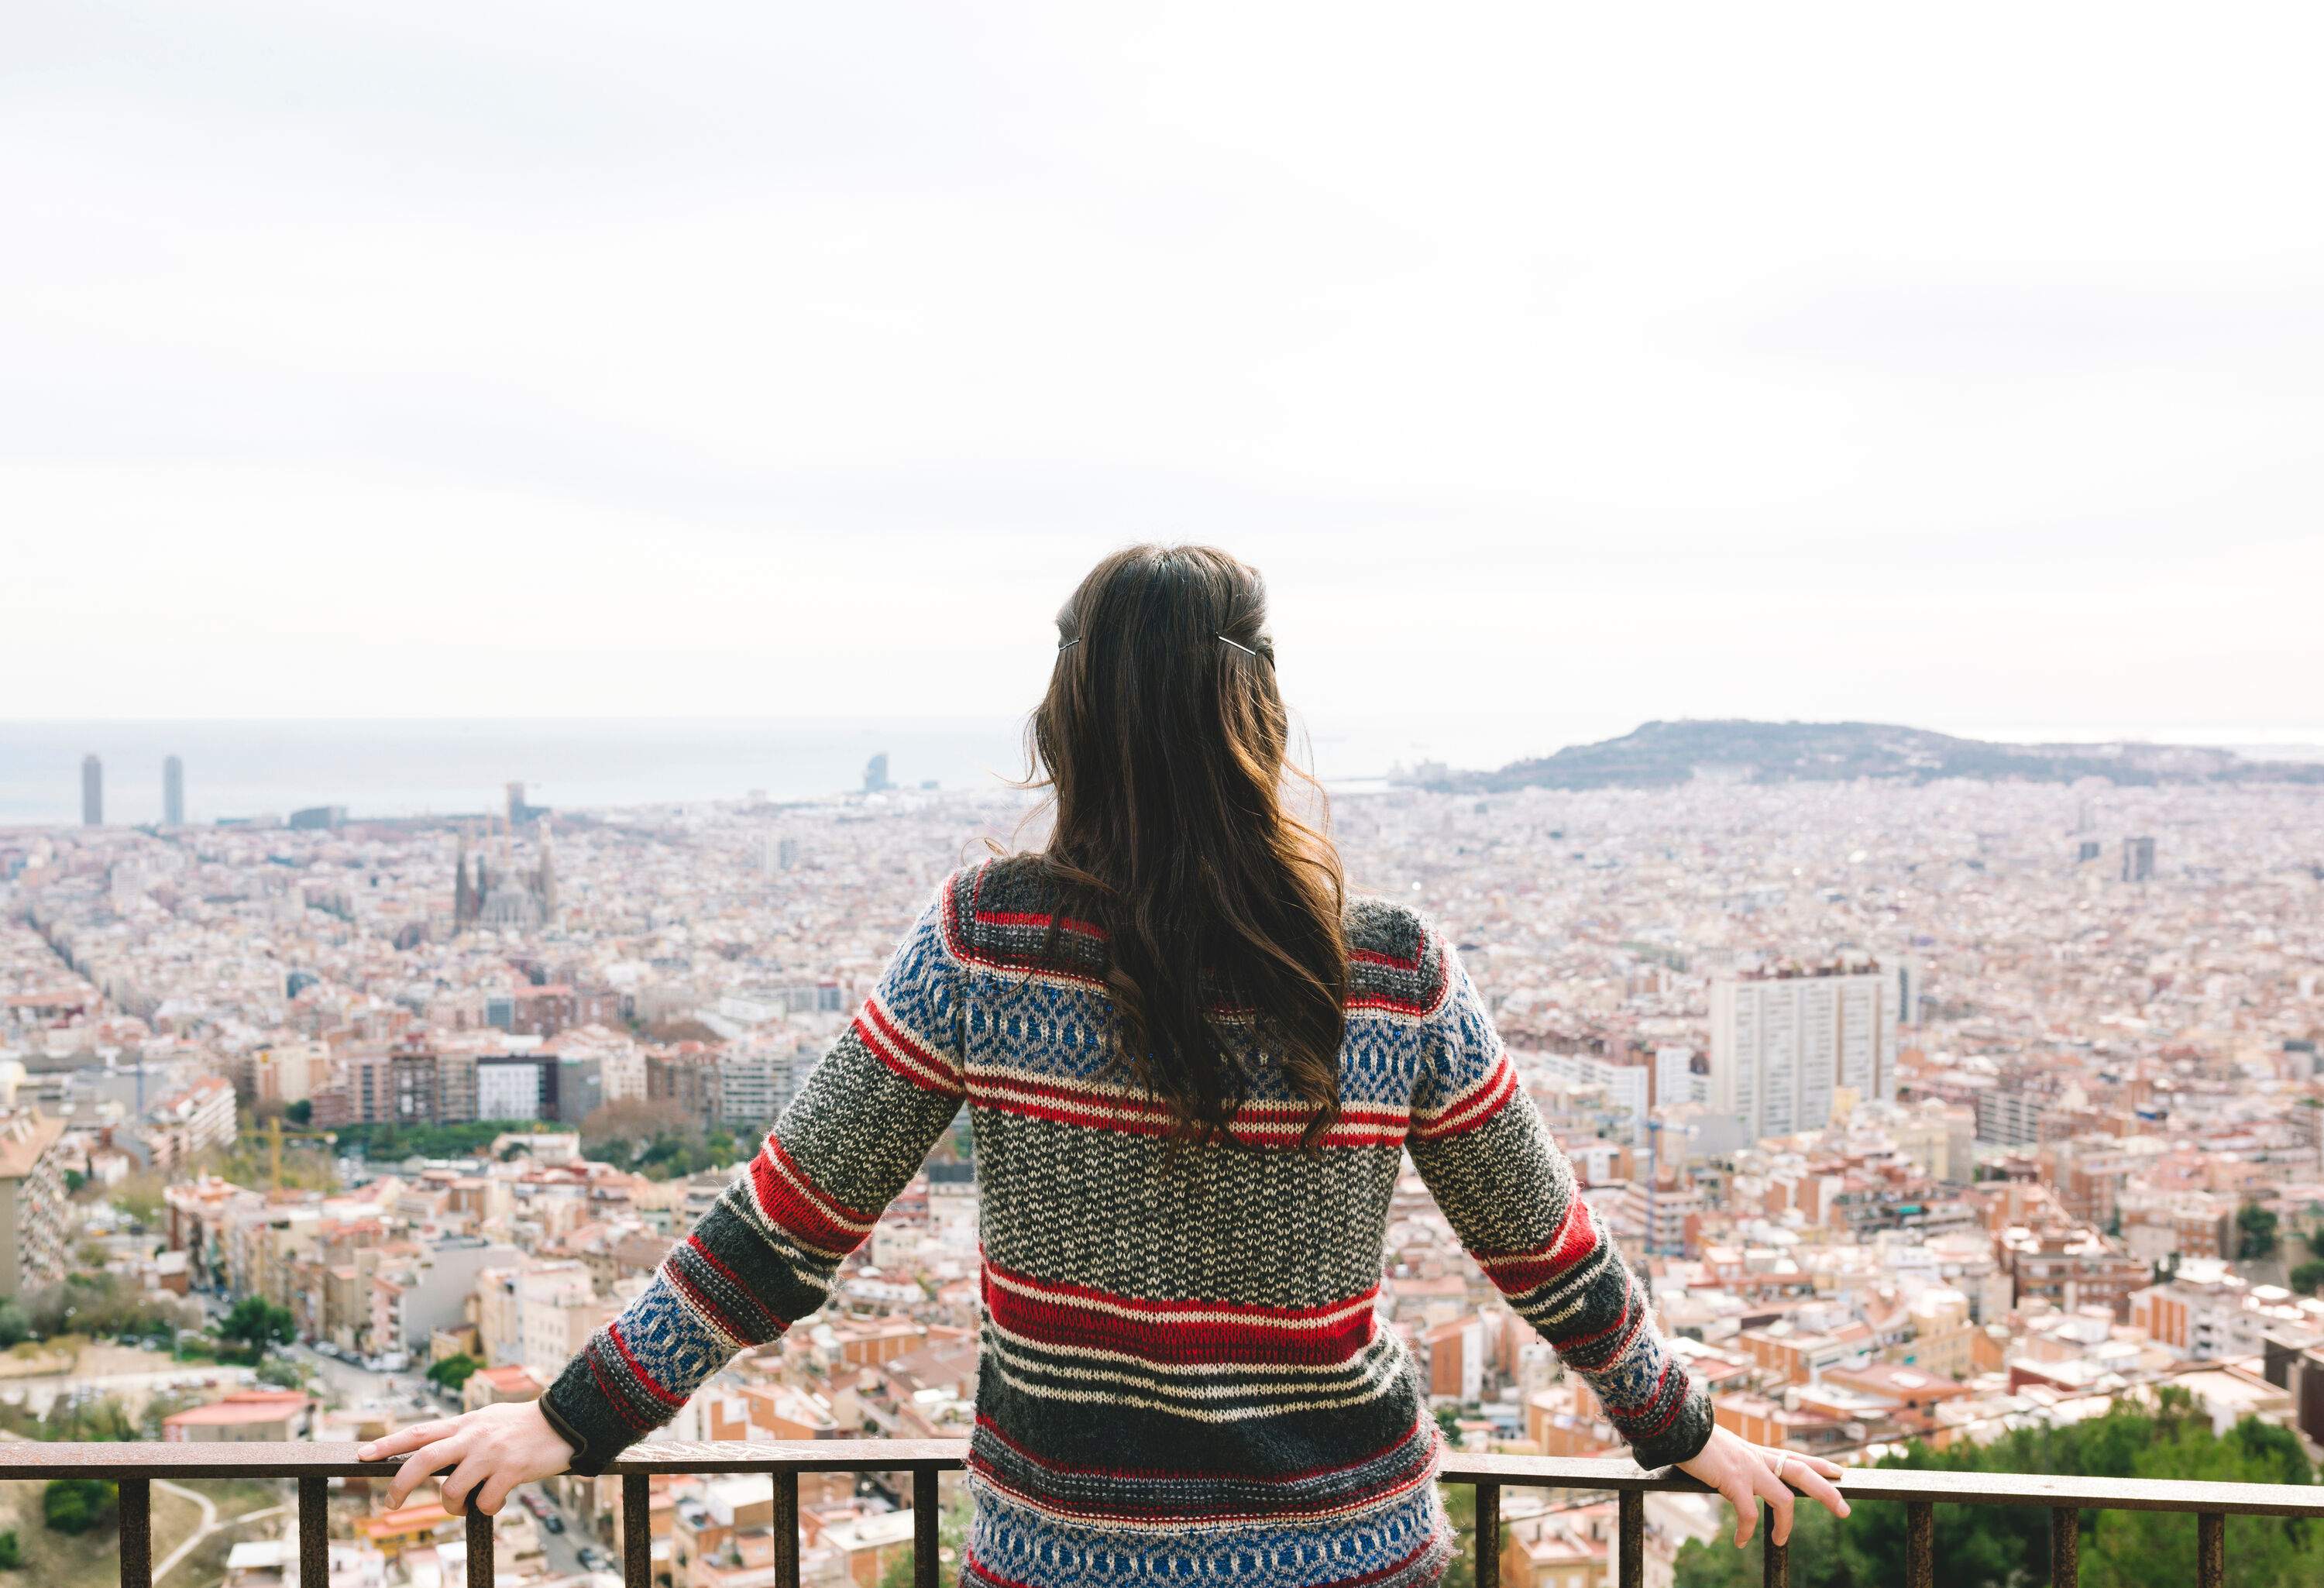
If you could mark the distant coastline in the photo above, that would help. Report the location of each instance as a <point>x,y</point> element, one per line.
<point>249,768</point>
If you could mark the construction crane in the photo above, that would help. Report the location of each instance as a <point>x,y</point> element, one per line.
<point>275,1134</point>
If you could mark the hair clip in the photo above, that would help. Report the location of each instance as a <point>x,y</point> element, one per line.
<point>1238,645</point>
<point>1069,644</point>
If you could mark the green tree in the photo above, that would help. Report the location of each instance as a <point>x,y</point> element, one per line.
<point>257,1322</point>
<point>75,1505</point>
<point>454,1371</point>
<point>1461,1510</point>
<point>283,1372</point>
<point>300,1113</point>
<point>2254,1232</point>
<point>2001,1546</point>
<point>2307,1277</point>
<point>12,1552</point>
<point>952,1544</point>
<point>15,1328</point>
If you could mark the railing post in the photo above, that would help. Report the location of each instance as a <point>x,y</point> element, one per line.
<point>2065,1547</point>
<point>1920,1544</point>
<point>787,1565</point>
<point>1631,1534</point>
<point>480,1547</point>
<point>314,1532</point>
<point>924,1509</point>
<point>2211,1549</point>
<point>1488,1535</point>
<point>1775,1559</point>
<point>637,1531</point>
<point>135,1506</point>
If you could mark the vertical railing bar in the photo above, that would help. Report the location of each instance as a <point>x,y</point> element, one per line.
<point>2211,1549</point>
<point>1775,1559</point>
<point>925,1506</point>
<point>1631,1536</point>
<point>2065,1547</point>
<point>134,1503</point>
<point>637,1531</point>
<point>1488,1535</point>
<point>786,1524</point>
<point>480,1547</point>
<point>1920,1544</point>
<point>314,1532</point>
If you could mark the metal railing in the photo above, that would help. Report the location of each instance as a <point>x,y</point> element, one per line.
<point>135,1467</point>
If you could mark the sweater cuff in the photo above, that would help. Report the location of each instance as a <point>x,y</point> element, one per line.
<point>1684,1440</point>
<point>584,1418</point>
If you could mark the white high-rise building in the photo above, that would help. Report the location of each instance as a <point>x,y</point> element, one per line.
<point>1785,1041</point>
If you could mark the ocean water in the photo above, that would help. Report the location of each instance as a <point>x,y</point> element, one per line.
<point>415,767</point>
<point>412,767</point>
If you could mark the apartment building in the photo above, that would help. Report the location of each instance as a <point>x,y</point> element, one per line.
<point>1785,1041</point>
<point>32,1229</point>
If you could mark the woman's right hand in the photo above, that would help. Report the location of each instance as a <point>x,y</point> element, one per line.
<point>1747,1473</point>
<point>489,1451</point>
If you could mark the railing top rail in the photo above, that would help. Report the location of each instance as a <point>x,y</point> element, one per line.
<point>2043,1489</point>
<point>27,1460</point>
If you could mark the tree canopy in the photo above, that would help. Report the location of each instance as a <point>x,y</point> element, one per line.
<point>1997,1547</point>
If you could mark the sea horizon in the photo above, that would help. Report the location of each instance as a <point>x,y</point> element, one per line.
<point>239,767</point>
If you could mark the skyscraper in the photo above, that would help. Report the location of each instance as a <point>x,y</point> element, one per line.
<point>2137,860</point>
<point>1784,1042</point>
<point>875,773</point>
<point>92,791</point>
<point>173,792</point>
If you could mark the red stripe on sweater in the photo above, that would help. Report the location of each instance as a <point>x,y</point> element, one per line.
<point>637,1368</point>
<point>1025,918</point>
<point>1476,1109</point>
<point>1088,1094</point>
<point>902,1055</point>
<point>1253,1310</point>
<point>790,1209</point>
<point>1332,1136</point>
<point>605,1387</point>
<point>692,1289</point>
<point>763,1310</point>
<point>1178,1341</point>
<point>1576,1239</point>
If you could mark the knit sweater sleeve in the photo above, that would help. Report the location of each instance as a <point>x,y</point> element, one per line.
<point>765,1254</point>
<point>1510,1196</point>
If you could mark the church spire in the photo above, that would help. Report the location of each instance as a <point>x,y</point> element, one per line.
<point>545,878</point>
<point>464,896</point>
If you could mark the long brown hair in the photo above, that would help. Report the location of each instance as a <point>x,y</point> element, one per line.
<point>1164,744</point>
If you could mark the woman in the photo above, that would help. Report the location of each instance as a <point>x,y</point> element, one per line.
<point>1195,1070</point>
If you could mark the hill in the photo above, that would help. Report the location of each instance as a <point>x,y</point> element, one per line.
<point>1659,754</point>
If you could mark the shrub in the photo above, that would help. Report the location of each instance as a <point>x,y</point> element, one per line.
<point>12,1554</point>
<point>75,1505</point>
<point>454,1371</point>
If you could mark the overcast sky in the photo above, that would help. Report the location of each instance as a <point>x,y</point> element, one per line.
<point>1957,366</point>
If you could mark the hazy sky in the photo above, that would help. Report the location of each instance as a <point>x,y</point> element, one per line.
<point>1958,366</point>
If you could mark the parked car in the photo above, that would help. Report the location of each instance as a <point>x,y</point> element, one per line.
<point>553,1522</point>
<point>325,1348</point>
<point>533,1500</point>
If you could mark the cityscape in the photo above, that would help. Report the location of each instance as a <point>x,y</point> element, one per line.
<point>1935,1111</point>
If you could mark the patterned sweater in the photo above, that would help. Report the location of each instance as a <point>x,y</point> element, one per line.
<point>1182,1375</point>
